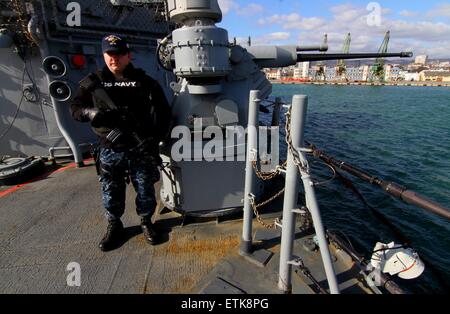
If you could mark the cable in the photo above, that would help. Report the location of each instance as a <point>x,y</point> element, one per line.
<point>348,240</point>
<point>14,119</point>
<point>18,107</point>
<point>28,73</point>
<point>36,90</point>
<point>328,180</point>
<point>392,248</point>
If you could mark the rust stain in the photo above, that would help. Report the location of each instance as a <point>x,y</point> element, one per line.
<point>185,285</point>
<point>220,246</point>
<point>198,256</point>
<point>141,240</point>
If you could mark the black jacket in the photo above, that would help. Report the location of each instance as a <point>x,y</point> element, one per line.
<point>137,94</point>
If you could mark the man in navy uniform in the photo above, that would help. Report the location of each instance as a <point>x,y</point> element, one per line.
<point>130,113</point>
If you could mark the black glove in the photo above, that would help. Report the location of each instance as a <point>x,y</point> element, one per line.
<point>107,119</point>
<point>89,113</point>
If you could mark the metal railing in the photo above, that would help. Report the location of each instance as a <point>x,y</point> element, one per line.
<point>297,168</point>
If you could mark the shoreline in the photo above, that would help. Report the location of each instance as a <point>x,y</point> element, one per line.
<point>410,84</point>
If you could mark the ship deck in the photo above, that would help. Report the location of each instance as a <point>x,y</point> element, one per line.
<point>58,219</point>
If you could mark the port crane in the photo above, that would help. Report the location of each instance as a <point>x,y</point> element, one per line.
<point>320,66</point>
<point>341,67</point>
<point>377,71</point>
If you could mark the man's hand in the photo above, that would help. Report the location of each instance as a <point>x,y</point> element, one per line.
<point>89,113</point>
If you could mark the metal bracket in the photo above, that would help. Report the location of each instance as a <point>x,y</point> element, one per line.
<point>297,262</point>
<point>306,150</point>
<point>301,211</point>
<point>253,154</point>
<point>278,224</point>
<point>281,169</point>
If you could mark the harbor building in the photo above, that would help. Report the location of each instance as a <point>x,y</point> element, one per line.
<point>392,73</point>
<point>435,76</point>
<point>422,60</point>
<point>410,76</point>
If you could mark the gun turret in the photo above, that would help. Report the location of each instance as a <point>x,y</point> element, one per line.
<point>215,78</point>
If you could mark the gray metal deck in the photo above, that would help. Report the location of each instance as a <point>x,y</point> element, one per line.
<point>50,223</point>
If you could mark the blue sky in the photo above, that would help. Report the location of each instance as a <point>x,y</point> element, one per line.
<point>420,26</point>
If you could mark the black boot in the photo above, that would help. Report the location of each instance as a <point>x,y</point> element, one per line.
<point>113,236</point>
<point>149,231</point>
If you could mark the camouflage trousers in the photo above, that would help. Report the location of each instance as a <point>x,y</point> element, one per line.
<point>141,169</point>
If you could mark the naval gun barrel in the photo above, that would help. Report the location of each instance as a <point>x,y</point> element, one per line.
<point>283,56</point>
<point>321,48</point>
<point>346,56</point>
<point>392,188</point>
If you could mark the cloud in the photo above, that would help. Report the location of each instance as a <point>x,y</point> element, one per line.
<point>267,39</point>
<point>293,21</point>
<point>407,13</point>
<point>230,5</point>
<point>442,10</point>
<point>277,36</point>
<point>227,5</point>
<point>251,9</point>
<point>347,12</point>
<point>422,37</point>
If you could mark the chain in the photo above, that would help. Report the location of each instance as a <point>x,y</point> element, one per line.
<point>271,175</point>
<point>258,215</point>
<point>266,176</point>
<point>303,166</point>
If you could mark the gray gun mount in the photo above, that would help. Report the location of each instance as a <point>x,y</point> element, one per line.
<point>215,80</point>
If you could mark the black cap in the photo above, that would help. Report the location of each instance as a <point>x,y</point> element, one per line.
<point>115,44</point>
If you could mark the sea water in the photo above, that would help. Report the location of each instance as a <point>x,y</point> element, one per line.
<point>399,134</point>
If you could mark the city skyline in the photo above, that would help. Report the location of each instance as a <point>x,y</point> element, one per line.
<point>421,27</point>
